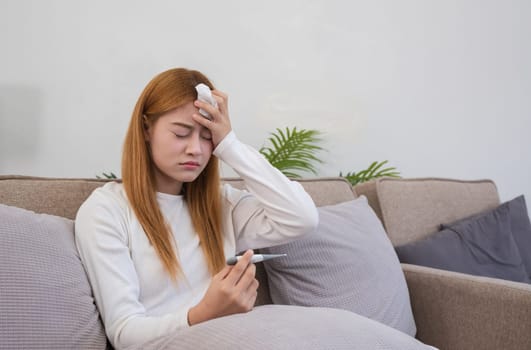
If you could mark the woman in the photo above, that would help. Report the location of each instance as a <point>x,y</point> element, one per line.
<point>154,246</point>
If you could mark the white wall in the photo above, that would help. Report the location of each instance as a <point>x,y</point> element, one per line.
<point>439,88</point>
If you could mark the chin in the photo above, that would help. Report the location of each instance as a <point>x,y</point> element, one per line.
<point>187,178</point>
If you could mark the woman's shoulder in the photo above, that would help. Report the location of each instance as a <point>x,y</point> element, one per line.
<point>104,213</point>
<point>112,191</point>
<point>109,196</point>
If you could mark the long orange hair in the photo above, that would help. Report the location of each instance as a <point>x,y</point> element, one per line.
<point>165,92</point>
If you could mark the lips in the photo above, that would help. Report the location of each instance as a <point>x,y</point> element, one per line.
<point>191,163</point>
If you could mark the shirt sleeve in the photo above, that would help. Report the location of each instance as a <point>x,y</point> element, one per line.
<point>274,210</point>
<point>102,242</point>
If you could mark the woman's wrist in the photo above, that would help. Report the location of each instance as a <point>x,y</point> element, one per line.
<point>192,316</point>
<point>224,143</point>
<point>196,315</point>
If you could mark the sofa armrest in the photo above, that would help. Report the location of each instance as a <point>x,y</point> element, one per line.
<point>458,311</point>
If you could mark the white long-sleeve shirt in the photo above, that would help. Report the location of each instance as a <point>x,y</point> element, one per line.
<point>136,298</point>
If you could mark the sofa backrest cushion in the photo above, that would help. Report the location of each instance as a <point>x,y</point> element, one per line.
<point>45,298</point>
<point>323,190</point>
<point>412,209</point>
<point>347,263</point>
<point>54,196</point>
<point>63,196</point>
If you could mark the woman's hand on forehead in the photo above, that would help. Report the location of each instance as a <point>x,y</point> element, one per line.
<point>219,124</point>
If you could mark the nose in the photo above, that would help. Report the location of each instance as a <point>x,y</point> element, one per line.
<point>194,145</point>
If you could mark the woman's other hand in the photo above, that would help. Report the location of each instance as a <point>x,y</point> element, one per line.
<point>233,290</point>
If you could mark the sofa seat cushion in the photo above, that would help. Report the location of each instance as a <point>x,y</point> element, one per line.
<point>483,245</point>
<point>347,263</point>
<point>45,298</point>
<point>287,327</point>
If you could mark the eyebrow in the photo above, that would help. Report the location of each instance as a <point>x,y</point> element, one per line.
<point>184,125</point>
<point>188,126</point>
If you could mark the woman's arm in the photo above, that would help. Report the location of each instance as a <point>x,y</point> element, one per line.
<point>275,210</point>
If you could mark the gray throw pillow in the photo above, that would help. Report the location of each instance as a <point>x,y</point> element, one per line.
<point>283,327</point>
<point>347,263</point>
<point>45,298</point>
<point>483,246</point>
<point>520,227</point>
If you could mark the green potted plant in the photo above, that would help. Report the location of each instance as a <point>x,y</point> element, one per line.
<point>293,151</point>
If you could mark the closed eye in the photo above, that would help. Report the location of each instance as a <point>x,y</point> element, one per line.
<point>206,134</point>
<point>207,137</point>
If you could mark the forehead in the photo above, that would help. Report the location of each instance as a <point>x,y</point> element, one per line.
<point>182,114</point>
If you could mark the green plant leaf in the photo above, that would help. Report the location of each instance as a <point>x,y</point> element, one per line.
<point>293,151</point>
<point>110,175</point>
<point>372,172</point>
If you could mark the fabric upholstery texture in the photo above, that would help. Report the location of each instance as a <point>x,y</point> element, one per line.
<point>461,311</point>
<point>61,197</point>
<point>283,327</point>
<point>324,191</point>
<point>482,246</point>
<point>45,298</point>
<point>348,263</point>
<point>412,209</point>
<point>520,226</point>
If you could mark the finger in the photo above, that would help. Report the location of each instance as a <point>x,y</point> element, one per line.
<point>221,99</point>
<point>221,94</point>
<point>207,107</point>
<point>252,285</point>
<point>248,296</point>
<point>251,299</point>
<point>223,273</point>
<point>239,269</point>
<point>247,278</point>
<point>207,123</point>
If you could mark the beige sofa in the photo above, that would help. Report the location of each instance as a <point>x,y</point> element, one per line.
<point>452,310</point>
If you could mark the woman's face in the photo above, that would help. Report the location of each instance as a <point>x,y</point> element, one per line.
<point>180,148</point>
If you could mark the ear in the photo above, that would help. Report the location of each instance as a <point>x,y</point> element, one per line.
<point>146,125</point>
